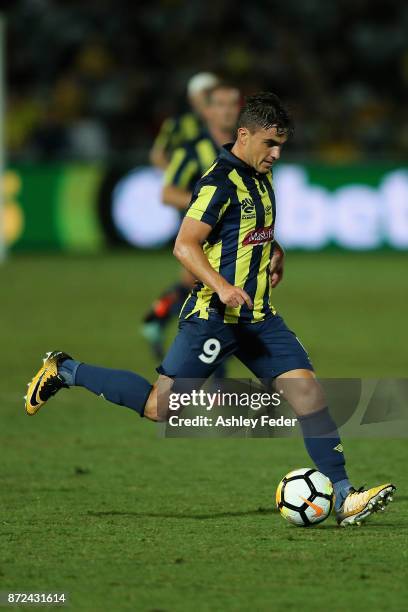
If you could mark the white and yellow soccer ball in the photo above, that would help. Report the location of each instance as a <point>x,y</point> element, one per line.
<point>305,497</point>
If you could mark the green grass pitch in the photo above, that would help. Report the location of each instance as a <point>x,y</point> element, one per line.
<point>95,503</point>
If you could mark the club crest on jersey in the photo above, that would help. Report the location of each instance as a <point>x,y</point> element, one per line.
<point>261,235</point>
<point>247,205</point>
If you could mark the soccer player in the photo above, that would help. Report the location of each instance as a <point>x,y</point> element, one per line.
<point>227,241</point>
<point>187,165</point>
<point>175,131</point>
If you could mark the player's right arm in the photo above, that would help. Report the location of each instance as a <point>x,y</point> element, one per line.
<point>189,248</point>
<point>159,155</point>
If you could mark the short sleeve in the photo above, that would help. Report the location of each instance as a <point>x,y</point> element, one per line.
<point>182,170</point>
<point>208,203</point>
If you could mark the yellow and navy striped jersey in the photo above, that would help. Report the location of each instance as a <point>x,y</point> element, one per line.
<point>239,204</point>
<point>189,162</point>
<point>175,131</point>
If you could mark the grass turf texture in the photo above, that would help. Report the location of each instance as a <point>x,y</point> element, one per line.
<point>94,503</point>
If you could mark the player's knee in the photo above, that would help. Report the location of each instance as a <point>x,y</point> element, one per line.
<point>306,387</point>
<point>304,393</point>
<point>310,394</point>
<point>156,405</point>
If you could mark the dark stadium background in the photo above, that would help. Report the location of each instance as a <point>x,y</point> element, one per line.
<point>342,66</point>
<point>92,501</point>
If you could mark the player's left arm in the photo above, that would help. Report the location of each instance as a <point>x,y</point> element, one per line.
<point>277,264</point>
<point>181,173</point>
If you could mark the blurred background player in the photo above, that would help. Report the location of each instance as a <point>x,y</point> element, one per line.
<point>188,163</point>
<point>177,130</point>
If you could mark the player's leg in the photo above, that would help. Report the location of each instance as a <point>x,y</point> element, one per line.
<point>120,387</point>
<point>59,370</point>
<point>167,306</point>
<point>198,349</point>
<point>280,355</point>
<point>304,393</point>
<point>197,352</point>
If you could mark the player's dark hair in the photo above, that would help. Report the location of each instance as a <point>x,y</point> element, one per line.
<point>265,110</point>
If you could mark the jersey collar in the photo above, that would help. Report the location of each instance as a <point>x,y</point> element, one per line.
<point>233,160</point>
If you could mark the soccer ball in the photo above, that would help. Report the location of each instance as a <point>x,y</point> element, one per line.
<point>305,497</point>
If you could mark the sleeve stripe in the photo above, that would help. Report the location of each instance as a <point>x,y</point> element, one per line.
<point>210,169</point>
<point>224,208</point>
<point>174,165</point>
<point>185,177</point>
<point>203,201</point>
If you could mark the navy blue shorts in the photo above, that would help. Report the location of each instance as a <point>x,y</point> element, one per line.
<point>268,348</point>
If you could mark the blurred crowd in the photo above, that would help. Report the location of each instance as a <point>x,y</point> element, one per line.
<point>94,80</point>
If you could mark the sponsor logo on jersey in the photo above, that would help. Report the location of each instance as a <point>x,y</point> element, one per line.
<point>261,235</point>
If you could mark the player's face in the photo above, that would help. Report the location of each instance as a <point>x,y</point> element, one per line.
<point>222,110</point>
<point>262,148</point>
<point>198,102</point>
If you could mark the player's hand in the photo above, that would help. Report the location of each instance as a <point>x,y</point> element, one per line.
<point>276,266</point>
<point>234,296</point>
